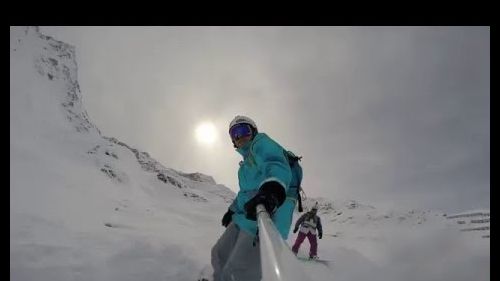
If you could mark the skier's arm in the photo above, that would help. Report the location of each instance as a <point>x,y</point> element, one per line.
<point>269,158</point>
<point>272,163</point>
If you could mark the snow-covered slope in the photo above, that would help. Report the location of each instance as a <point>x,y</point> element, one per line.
<point>343,213</point>
<point>370,243</point>
<point>84,206</point>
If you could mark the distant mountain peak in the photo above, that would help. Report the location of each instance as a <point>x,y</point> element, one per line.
<point>56,62</point>
<point>52,104</point>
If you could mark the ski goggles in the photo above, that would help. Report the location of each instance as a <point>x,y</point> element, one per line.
<point>239,131</point>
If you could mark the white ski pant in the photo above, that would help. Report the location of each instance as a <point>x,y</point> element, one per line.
<point>235,258</point>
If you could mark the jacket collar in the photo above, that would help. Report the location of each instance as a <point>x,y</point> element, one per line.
<point>244,150</point>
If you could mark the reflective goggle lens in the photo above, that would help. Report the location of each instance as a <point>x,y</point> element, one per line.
<point>239,131</point>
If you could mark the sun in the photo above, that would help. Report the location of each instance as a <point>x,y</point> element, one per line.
<point>206,133</point>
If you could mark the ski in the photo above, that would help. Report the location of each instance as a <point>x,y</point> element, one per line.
<point>325,262</point>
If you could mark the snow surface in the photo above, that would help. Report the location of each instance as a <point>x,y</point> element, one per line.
<point>84,206</point>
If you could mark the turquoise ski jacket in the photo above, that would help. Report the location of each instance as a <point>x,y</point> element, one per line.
<point>263,160</point>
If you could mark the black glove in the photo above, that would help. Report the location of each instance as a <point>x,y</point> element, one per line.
<point>271,195</point>
<point>320,235</point>
<point>226,219</point>
<point>295,230</point>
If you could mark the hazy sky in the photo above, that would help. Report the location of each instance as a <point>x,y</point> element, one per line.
<point>395,116</point>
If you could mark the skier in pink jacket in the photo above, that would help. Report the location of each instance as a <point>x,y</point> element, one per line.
<point>308,223</point>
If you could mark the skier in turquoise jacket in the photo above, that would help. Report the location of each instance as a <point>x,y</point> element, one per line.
<point>264,178</point>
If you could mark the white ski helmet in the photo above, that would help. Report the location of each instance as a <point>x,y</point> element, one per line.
<point>315,207</point>
<point>240,119</point>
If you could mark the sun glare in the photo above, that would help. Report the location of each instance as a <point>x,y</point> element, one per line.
<point>206,133</point>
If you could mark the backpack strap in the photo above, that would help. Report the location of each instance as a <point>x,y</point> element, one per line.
<point>299,198</point>
<point>293,159</point>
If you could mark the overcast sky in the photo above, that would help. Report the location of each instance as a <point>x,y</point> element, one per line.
<point>393,116</point>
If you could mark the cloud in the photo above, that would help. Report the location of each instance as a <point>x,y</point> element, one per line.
<point>379,113</point>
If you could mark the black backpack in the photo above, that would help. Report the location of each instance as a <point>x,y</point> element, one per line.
<point>293,160</point>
